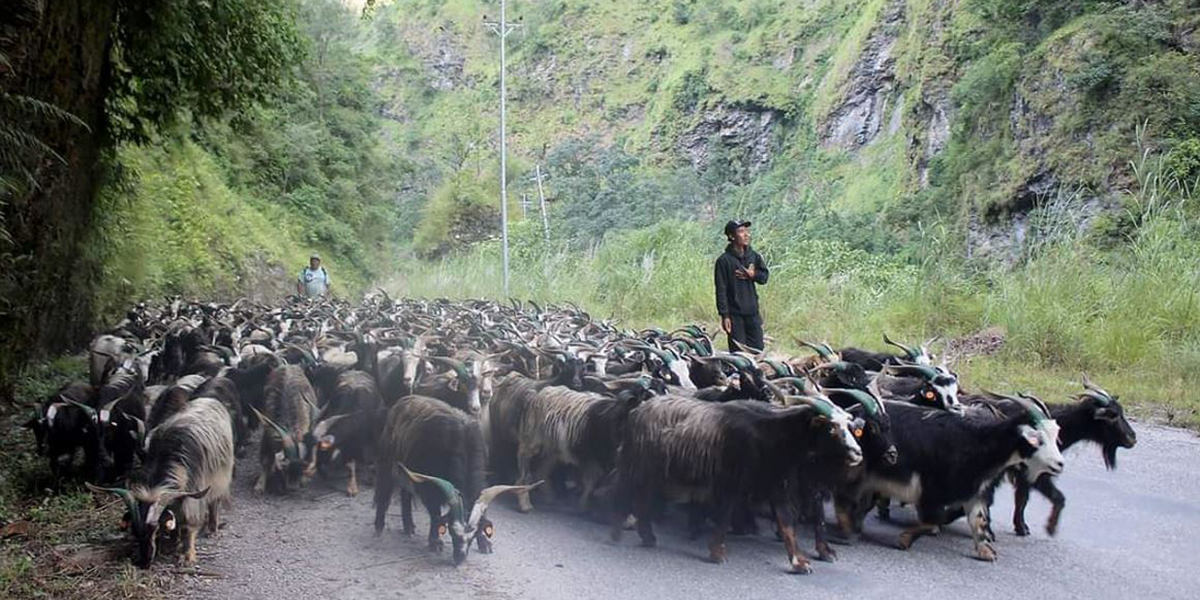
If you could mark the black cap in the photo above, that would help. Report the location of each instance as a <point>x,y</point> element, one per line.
<point>733,225</point>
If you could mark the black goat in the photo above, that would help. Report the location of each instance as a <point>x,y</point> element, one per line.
<point>946,462</point>
<point>725,455</point>
<point>349,426</point>
<point>445,448</point>
<point>289,401</point>
<point>62,426</point>
<point>1095,416</point>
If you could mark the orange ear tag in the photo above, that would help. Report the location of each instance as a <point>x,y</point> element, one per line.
<point>441,529</point>
<point>929,394</point>
<point>489,531</point>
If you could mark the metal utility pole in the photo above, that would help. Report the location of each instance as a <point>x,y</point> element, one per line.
<point>502,28</point>
<point>542,201</point>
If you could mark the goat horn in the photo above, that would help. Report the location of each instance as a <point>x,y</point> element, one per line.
<point>488,495</point>
<point>823,407</point>
<point>122,493</point>
<point>453,496</point>
<point>89,411</point>
<point>909,351</point>
<point>824,350</point>
<point>869,403</point>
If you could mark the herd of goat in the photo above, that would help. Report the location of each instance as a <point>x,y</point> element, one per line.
<point>461,402</point>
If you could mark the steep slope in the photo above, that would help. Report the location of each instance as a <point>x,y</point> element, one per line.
<point>826,115</point>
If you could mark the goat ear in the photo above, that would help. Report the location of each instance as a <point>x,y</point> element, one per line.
<point>454,384</point>
<point>1031,436</point>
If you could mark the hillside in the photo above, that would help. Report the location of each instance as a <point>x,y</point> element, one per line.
<point>865,119</point>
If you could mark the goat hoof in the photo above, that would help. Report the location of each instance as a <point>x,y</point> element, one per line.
<point>826,554</point>
<point>649,542</point>
<point>905,542</point>
<point>801,566</point>
<point>986,553</point>
<point>716,559</point>
<point>1052,529</point>
<point>437,546</point>
<point>1020,529</point>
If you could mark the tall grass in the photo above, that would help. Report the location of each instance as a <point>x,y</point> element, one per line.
<point>1129,316</point>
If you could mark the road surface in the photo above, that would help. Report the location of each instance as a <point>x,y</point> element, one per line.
<point>1132,533</point>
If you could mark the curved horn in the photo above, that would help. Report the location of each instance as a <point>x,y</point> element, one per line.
<point>459,367</point>
<point>488,495</point>
<point>1035,410</point>
<point>870,404</point>
<point>909,351</point>
<point>122,493</point>
<point>285,438</point>
<point>823,407</point>
<point>1097,392</point>
<point>823,349</point>
<point>453,496</point>
<point>89,411</point>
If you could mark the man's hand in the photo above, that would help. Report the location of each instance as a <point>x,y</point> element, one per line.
<point>727,325</point>
<point>745,274</point>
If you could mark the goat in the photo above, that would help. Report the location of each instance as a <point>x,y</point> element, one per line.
<point>876,361</point>
<point>288,400</point>
<point>561,426</point>
<point>226,390</point>
<point>459,388</point>
<point>724,454</point>
<point>348,427</point>
<point>935,387</point>
<point>430,436</point>
<point>63,425</point>
<point>948,462</point>
<point>1095,416</point>
<point>184,480</point>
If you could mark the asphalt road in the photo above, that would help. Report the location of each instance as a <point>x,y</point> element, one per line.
<point>1132,533</point>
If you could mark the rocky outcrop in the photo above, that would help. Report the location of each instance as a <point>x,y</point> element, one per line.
<point>870,100</point>
<point>743,129</point>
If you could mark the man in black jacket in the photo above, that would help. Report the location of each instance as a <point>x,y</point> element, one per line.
<point>736,274</point>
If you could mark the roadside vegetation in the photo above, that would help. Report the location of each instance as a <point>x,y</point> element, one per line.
<point>1128,315</point>
<point>55,538</point>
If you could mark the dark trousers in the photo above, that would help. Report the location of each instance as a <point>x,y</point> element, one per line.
<point>747,330</point>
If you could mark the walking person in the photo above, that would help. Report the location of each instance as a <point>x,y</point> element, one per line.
<point>738,272</point>
<point>314,279</point>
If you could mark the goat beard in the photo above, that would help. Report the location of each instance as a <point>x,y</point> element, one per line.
<point>1110,456</point>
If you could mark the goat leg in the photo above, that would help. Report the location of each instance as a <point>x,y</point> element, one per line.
<point>406,516</point>
<point>1020,501</point>
<point>717,553</point>
<point>1045,485</point>
<point>824,552</point>
<point>352,484</point>
<point>978,521</point>
<point>643,511</point>
<point>189,551</point>
<point>525,456</point>
<point>799,563</point>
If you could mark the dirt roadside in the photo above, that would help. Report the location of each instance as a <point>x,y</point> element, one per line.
<point>320,543</point>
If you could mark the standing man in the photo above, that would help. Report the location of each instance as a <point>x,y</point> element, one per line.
<point>314,279</point>
<point>736,274</point>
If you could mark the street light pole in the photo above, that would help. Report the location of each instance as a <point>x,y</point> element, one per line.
<point>502,29</point>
